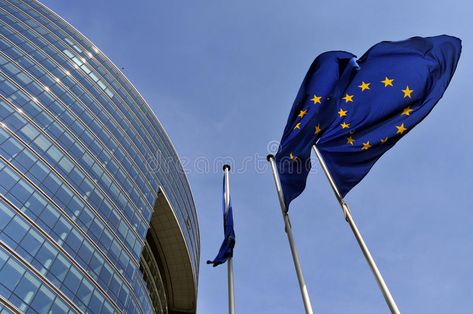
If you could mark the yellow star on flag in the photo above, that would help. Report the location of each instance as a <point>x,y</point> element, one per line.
<point>407,92</point>
<point>364,86</point>
<point>401,129</point>
<point>345,125</point>
<point>387,82</point>
<point>350,140</point>
<point>366,146</point>
<point>316,99</point>
<point>302,113</point>
<point>384,140</point>
<point>348,98</point>
<point>317,129</point>
<point>298,126</point>
<point>407,111</point>
<point>342,113</point>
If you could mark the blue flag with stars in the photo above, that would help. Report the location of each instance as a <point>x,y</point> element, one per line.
<point>354,110</point>
<point>226,249</point>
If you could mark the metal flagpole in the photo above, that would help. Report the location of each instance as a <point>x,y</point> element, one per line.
<point>231,295</point>
<point>346,212</point>
<point>288,228</point>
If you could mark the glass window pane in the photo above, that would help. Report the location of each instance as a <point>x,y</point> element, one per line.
<point>43,300</point>
<point>5,215</point>
<point>60,267</point>
<point>11,274</point>
<point>32,242</point>
<point>27,287</point>
<point>16,229</point>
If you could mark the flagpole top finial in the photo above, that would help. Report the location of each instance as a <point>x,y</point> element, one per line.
<point>268,158</point>
<point>226,166</point>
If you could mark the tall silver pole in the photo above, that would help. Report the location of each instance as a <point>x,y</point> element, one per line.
<point>231,293</point>
<point>346,212</point>
<point>288,228</point>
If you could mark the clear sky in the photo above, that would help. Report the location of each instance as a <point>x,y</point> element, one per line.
<point>221,77</point>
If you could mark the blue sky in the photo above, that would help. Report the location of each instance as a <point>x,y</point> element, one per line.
<point>221,77</point>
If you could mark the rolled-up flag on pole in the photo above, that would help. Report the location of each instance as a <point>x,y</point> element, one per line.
<point>225,254</point>
<point>226,249</point>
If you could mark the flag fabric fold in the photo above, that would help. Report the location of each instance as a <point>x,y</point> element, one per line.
<point>226,249</point>
<point>354,110</point>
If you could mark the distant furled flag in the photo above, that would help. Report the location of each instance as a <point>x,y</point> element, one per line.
<point>355,110</point>
<point>226,249</point>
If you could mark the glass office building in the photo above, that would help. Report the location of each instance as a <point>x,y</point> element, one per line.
<point>96,213</point>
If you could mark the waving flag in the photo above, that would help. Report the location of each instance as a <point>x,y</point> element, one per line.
<point>226,249</point>
<point>354,110</point>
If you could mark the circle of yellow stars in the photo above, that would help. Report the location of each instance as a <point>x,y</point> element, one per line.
<point>388,82</point>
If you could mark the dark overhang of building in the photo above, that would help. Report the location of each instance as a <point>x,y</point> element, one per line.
<point>169,247</point>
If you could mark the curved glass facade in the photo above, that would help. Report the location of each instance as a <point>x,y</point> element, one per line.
<point>82,158</point>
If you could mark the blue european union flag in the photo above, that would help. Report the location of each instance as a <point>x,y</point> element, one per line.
<point>354,110</point>
<point>226,249</point>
